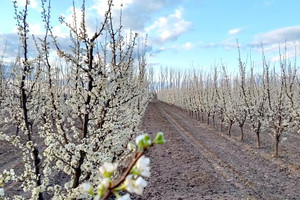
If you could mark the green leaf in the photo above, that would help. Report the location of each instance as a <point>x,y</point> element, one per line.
<point>159,139</point>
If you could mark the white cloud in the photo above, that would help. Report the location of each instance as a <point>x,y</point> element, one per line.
<point>59,31</point>
<point>188,46</point>
<point>291,33</point>
<point>91,26</point>
<point>283,56</point>
<point>287,38</point>
<point>174,48</point>
<point>227,45</point>
<point>35,29</point>
<point>208,45</point>
<point>9,42</point>
<point>136,13</point>
<point>101,6</point>
<point>234,31</point>
<point>33,3</point>
<point>137,16</point>
<point>283,50</point>
<point>170,27</point>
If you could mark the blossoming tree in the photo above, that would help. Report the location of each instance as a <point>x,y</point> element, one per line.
<point>77,114</point>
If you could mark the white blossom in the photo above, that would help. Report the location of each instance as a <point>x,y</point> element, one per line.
<point>107,169</point>
<point>2,193</point>
<point>135,186</point>
<point>104,183</point>
<point>139,138</point>
<point>86,187</point>
<point>124,197</point>
<point>142,166</point>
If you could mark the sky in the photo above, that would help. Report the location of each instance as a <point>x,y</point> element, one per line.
<point>181,33</point>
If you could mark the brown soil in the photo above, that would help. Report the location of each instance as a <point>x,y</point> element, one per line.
<point>199,162</point>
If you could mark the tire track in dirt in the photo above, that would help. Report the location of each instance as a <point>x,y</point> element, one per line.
<point>178,170</point>
<point>289,166</point>
<point>289,163</point>
<point>292,167</point>
<point>265,179</point>
<point>226,170</point>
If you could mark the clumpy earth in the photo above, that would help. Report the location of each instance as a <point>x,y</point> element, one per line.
<point>199,161</point>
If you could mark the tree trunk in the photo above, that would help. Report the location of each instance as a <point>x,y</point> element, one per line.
<point>276,145</point>
<point>242,133</point>
<point>257,139</point>
<point>37,163</point>
<point>221,125</point>
<point>17,130</point>
<point>208,115</point>
<point>86,117</point>
<point>78,170</point>
<point>229,128</point>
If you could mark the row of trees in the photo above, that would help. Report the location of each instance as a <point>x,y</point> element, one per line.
<point>266,100</point>
<point>73,112</point>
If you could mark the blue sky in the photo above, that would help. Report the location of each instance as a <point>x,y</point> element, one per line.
<point>183,33</point>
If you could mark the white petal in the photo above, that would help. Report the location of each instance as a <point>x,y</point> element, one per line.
<point>143,161</point>
<point>125,197</point>
<point>129,183</point>
<point>2,192</point>
<point>141,182</point>
<point>139,138</point>
<point>86,186</point>
<point>108,167</point>
<point>97,197</point>
<point>146,172</point>
<point>105,182</point>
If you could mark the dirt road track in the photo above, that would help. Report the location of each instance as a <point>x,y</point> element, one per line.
<point>199,163</point>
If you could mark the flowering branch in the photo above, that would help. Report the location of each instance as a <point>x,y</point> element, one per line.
<point>131,179</point>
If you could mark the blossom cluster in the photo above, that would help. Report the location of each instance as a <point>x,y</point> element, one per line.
<point>76,112</point>
<point>4,178</point>
<point>133,181</point>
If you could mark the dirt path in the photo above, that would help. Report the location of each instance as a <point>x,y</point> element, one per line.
<point>199,163</point>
